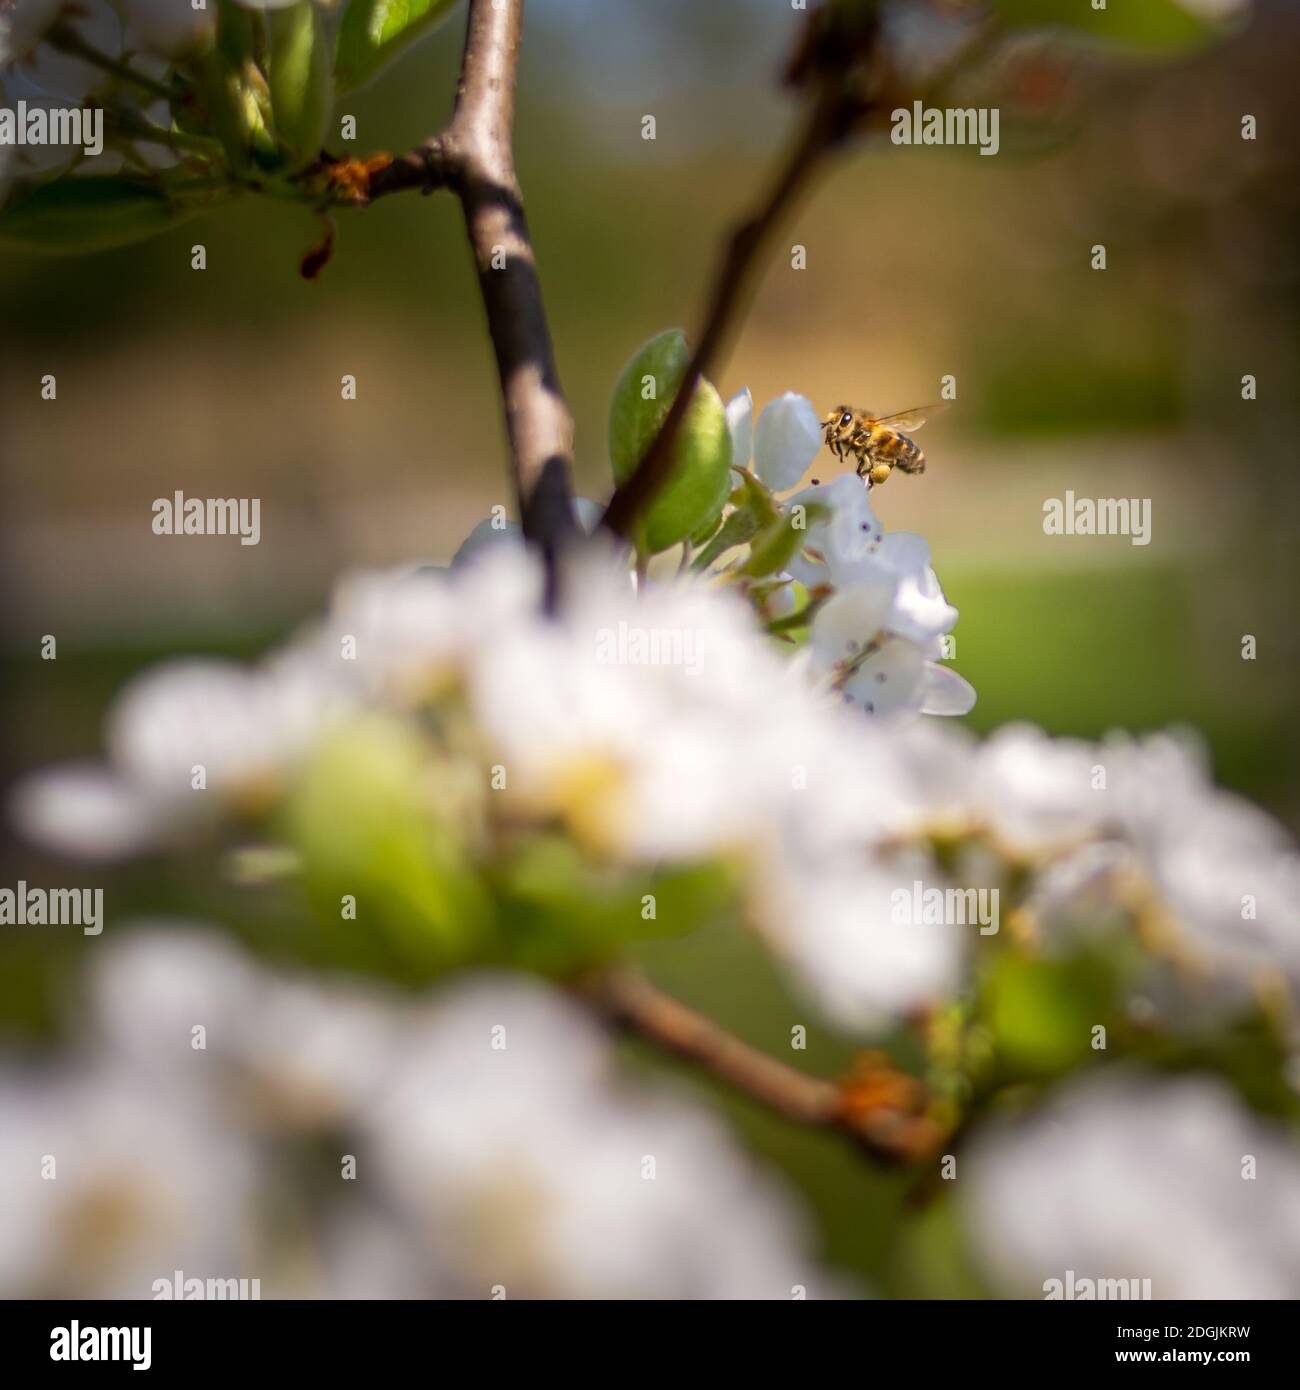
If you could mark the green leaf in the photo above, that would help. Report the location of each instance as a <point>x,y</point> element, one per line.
<point>774,548</point>
<point>1042,1012</point>
<point>561,914</point>
<point>739,527</point>
<point>1162,25</point>
<point>697,487</point>
<point>374,32</point>
<point>302,85</point>
<point>73,214</point>
<point>365,823</point>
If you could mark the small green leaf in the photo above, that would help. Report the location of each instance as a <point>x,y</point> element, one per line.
<point>774,548</point>
<point>72,215</point>
<point>739,527</point>
<point>1041,1012</point>
<point>367,827</point>
<point>697,488</point>
<point>374,32</point>
<point>1163,25</point>
<point>560,914</point>
<point>302,85</point>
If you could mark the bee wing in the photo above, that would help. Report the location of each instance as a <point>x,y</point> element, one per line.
<point>911,419</point>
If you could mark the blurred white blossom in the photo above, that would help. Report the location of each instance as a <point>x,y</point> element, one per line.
<point>23,24</point>
<point>494,1143</point>
<point>1171,1180</point>
<point>172,29</point>
<point>278,1052</point>
<point>521,1161</point>
<point>104,1187</point>
<point>187,742</point>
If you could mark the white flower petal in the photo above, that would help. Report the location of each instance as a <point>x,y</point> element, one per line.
<point>22,26</point>
<point>851,619</point>
<point>81,810</point>
<point>945,692</point>
<point>740,423</point>
<point>588,513</point>
<point>831,920</point>
<point>1037,793</point>
<point>890,681</point>
<point>489,531</point>
<point>920,609</point>
<point>184,714</point>
<point>786,440</point>
<point>172,29</point>
<point>71,79</point>
<point>845,533</point>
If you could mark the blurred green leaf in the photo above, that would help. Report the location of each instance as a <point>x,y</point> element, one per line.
<point>697,488</point>
<point>71,215</point>
<point>301,81</point>
<point>935,1253</point>
<point>374,32</point>
<point>1042,1012</point>
<point>560,913</point>
<point>1149,24</point>
<point>365,823</point>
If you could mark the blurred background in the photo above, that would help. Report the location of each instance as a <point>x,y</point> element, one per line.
<point>920,263</point>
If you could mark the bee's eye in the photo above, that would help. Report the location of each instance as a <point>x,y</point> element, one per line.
<point>846,420</point>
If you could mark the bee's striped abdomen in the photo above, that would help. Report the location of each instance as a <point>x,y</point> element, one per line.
<point>906,455</point>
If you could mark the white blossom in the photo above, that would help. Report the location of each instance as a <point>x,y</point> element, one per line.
<point>830,918</point>
<point>740,425</point>
<point>23,24</point>
<point>62,77</point>
<point>103,1189</point>
<point>278,1052</point>
<point>518,1158</point>
<point>787,437</point>
<point>172,29</point>
<point>494,530</point>
<point>187,741</point>
<point>1038,794</point>
<point>1135,1177</point>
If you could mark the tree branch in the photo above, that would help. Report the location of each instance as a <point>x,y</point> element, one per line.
<point>537,415</point>
<point>474,158</point>
<point>882,1110</point>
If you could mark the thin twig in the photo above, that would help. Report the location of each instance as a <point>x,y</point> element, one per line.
<point>66,39</point>
<point>852,94</point>
<point>882,1110</point>
<point>726,301</point>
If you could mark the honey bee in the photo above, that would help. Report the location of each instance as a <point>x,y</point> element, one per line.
<point>877,442</point>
